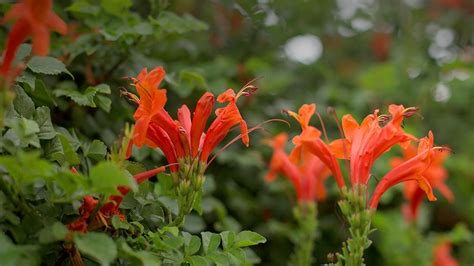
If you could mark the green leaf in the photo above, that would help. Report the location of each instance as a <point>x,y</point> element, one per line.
<point>188,81</point>
<point>97,150</point>
<point>43,119</point>
<point>107,176</point>
<point>83,99</point>
<point>144,258</point>
<point>69,152</point>
<point>27,167</point>
<point>116,7</point>
<point>197,261</point>
<point>90,97</point>
<point>23,103</point>
<point>210,241</point>
<point>228,238</point>
<point>192,244</point>
<point>42,94</point>
<point>12,255</point>
<point>249,238</point>
<point>47,65</point>
<point>56,232</point>
<point>118,224</point>
<point>98,246</point>
<point>103,102</point>
<point>171,22</point>
<point>219,258</point>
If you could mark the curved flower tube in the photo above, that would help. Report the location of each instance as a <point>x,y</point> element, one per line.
<point>35,18</point>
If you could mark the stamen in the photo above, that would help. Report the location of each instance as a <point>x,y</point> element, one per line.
<point>292,114</point>
<point>130,96</point>
<point>383,120</point>
<point>248,89</point>
<point>410,111</point>
<point>323,127</point>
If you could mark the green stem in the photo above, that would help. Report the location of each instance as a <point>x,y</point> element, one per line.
<point>306,217</point>
<point>354,208</point>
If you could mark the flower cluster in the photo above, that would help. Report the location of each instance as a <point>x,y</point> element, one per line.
<point>361,145</point>
<point>184,141</point>
<point>305,170</point>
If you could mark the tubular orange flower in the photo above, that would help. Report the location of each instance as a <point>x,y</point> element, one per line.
<point>413,169</point>
<point>227,117</point>
<point>307,175</point>
<point>364,143</point>
<point>442,255</point>
<point>201,114</point>
<point>436,175</point>
<point>183,139</point>
<point>305,170</point>
<point>310,139</point>
<point>33,17</point>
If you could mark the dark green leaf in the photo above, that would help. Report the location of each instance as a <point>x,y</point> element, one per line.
<point>43,119</point>
<point>47,65</point>
<point>23,103</point>
<point>96,150</point>
<point>107,176</point>
<point>98,246</point>
<point>56,232</point>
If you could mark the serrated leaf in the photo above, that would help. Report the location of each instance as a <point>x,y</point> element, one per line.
<point>56,232</point>
<point>210,241</point>
<point>27,78</point>
<point>170,22</point>
<point>43,119</point>
<point>69,152</point>
<point>249,238</point>
<point>98,246</point>
<point>83,99</point>
<point>23,103</point>
<point>107,176</point>
<point>47,65</point>
<point>97,150</point>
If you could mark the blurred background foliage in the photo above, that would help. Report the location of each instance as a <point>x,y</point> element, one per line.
<point>353,55</point>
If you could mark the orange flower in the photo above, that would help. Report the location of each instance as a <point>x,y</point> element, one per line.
<point>310,141</point>
<point>227,117</point>
<point>183,139</point>
<point>35,18</point>
<point>442,255</point>
<point>436,175</point>
<point>414,169</point>
<point>364,143</point>
<point>111,207</point>
<point>305,170</point>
